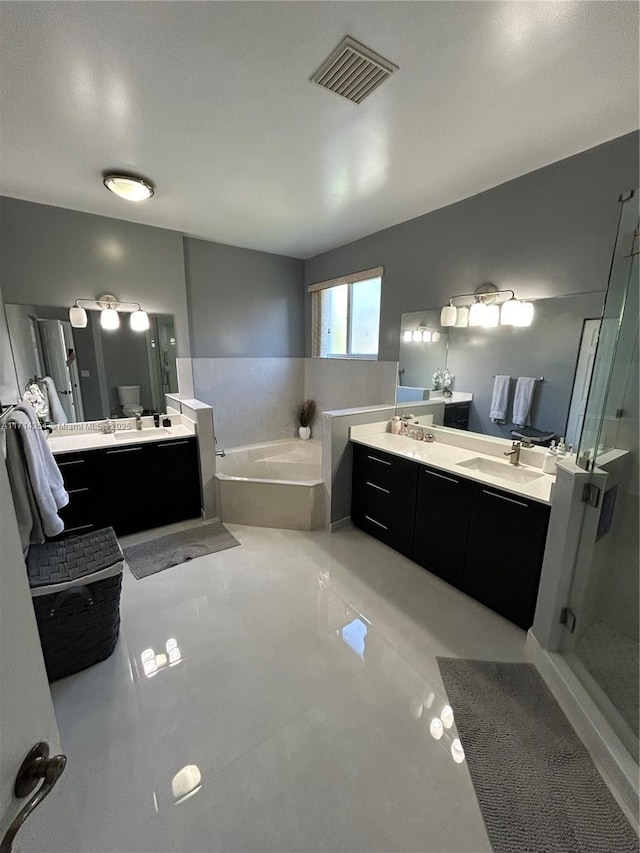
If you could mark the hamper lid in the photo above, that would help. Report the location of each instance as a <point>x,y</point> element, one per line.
<point>76,557</point>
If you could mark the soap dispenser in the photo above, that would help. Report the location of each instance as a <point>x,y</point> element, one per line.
<point>550,461</point>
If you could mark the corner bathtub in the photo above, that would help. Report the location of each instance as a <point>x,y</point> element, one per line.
<point>276,484</point>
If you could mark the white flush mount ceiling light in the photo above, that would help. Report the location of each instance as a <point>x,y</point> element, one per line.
<point>128,187</point>
<point>485,311</point>
<point>108,306</point>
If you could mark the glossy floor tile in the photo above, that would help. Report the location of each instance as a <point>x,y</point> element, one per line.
<point>279,696</point>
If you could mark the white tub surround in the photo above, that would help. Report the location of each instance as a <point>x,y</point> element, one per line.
<point>275,484</point>
<point>89,435</point>
<point>452,448</point>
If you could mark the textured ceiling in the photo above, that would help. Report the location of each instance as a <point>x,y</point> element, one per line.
<point>213,103</point>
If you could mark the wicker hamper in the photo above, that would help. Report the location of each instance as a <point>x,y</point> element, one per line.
<point>75,586</point>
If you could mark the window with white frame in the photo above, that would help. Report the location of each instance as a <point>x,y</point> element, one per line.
<point>345,316</point>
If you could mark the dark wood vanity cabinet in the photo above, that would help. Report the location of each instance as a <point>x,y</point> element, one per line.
<point>443,508</point>
<point>456,415</point>
<point>486,542</point>
<point>131,488</point>
<point>384,496</point>
<point>505,547</point>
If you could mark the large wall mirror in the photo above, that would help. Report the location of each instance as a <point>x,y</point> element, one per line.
<point>97,373</point>
<point>557,349</point>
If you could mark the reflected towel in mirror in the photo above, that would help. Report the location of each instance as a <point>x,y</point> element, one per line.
<point>523,400</point>
<point>500,399</point>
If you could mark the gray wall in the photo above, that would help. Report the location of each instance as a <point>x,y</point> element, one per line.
<point>549,348</point>
<point>242,303</point>
<point>125,362</point>
<point>52,256</point>
<point>548,233</point>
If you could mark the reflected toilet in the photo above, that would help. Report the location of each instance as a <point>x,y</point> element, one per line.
<point>129,397</point>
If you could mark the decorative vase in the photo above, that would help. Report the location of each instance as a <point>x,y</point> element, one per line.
<point>304,433</point>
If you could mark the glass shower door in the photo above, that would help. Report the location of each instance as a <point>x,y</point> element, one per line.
<point>603,647</point>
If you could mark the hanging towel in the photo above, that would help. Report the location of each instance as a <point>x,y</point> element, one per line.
<point>500,399</point>
<point>523,400</point>
<point>56,412</point>
<point>36,483</point>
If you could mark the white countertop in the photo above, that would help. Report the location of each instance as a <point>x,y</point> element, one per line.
<point>71,441</point>
<point>456,397</point>
<point>446,457</point>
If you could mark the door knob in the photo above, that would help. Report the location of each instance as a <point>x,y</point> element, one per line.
<point>36,766</point>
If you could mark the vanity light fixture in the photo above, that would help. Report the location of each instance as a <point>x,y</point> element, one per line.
<point>422,334</point>
<point>109,317</point>
<point>485,312</point>
<point>128,187</point>
<point>407,336</point>
<point>417,336</point>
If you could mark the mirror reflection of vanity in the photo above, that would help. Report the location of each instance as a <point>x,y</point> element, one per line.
<point>556,349</point>
<point>94,370</point>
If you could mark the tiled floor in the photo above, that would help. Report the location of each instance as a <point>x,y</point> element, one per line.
<point>297,714</point>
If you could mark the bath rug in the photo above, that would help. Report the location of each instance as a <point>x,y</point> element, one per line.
<point>156,555</point>
<point>536,784</point>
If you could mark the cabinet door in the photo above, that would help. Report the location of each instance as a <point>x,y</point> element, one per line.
<point>128,488</point>
<point>174,468</point>
<point>505,548</point>
<point>443,508</point>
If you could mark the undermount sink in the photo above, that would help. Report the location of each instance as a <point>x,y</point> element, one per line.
<point>138,434</point>
<point>503,470</point>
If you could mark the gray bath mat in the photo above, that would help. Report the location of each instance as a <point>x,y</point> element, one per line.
<point>537,787</point>
<point>159,554</point>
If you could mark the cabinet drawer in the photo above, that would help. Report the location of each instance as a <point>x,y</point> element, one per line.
<point>381,468</point>
<point>394,531</point>
<point>76,469</point>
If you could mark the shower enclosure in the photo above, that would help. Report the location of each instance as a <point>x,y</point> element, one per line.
<point>600,636</point>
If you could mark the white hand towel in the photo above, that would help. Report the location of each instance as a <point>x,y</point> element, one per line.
<point>500,399</point>
<point>523,400</point>
<point>36,483</point>
<point>56,412</point>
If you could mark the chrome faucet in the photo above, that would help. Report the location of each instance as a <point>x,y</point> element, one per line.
<point>514,453</point>
<point>138,420</point>
<point>221,453</point>
<point>108,427</point>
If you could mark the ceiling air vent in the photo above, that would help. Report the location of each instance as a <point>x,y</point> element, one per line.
<point>353,71</point>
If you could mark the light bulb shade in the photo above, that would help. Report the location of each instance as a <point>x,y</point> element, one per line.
<point>408,336</point>
<point>509,312</point>
<point>417,336</point>
<point>426,336</point>
<point>524,315</point>
<point>462,320</point>
<point>435,337</point>
<point>109,319</point>
<point>448,315</point>
<point>491,316</point>
<point>129,187</point>
<point>477,314</point>
<point>139,321</point>
<point>78,317</point>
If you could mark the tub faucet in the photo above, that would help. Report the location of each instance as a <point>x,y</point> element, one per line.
<point>221,453</point>
<point>138,420</point>
<point>514,453</point>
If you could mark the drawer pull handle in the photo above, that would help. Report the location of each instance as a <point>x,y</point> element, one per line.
<point>124,450</point>
<point>75,491</point>
<point>373,521</point>
<point>379,488</point>
<point>376,459</point>
<point>71,462</point>
<point>441,476</point>
<point>172,443</point>
<point>503,498</point>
